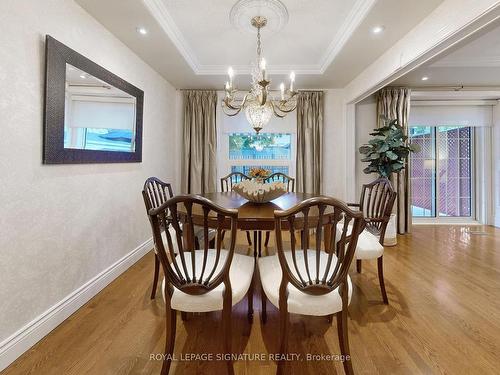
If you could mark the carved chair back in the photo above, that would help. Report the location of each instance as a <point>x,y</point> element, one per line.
<point>376,203</point>
<point>194,272</point>
<point>313,269</point>
<point>278,176</point>
<point>227,182</point>
<point>156,192</point>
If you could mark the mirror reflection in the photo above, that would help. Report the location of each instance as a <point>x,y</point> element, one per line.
<point>97,115</point>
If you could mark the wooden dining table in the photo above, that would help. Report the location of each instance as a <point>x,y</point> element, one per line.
<point>256,217</point>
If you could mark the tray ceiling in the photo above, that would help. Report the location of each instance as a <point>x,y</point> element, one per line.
<point>326,42</point>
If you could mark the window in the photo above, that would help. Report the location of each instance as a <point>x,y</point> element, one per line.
<point>239,148</point>
<point>271,151</point>
<point>441,174</point>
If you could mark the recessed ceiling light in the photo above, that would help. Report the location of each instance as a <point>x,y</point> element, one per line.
<point>142,30</point>
<point>83,76</point>
<point>425,78</point>
<point>378,29</point>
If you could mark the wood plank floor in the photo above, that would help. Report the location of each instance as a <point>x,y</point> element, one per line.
<point>444,318</point>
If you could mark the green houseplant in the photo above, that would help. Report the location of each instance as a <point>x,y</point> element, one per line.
<point>387,152</point>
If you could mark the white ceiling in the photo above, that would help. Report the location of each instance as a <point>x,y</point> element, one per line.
<point>475,62</point>
<point>326,42</point>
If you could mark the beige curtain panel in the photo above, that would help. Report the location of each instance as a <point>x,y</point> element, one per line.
<point>200,142</point>
<point>394,103</point>
<point>309,141</point>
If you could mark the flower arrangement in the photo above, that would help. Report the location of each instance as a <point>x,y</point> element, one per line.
<point>259,173</point>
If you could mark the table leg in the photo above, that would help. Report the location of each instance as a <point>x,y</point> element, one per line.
<point>260,243</point>
<point>255,244</point>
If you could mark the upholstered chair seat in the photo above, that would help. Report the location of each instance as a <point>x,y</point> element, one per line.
<point>240,276</point>
<point>368,246</point>
<point>298,301</point>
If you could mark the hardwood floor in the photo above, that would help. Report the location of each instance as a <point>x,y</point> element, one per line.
<point>443,284</point>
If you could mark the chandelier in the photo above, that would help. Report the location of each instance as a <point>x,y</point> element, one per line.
<point>258,103</point>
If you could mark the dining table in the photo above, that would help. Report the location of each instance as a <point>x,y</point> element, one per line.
<point>256,217</point>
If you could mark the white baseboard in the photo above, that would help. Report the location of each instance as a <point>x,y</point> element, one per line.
<point>18,343</point>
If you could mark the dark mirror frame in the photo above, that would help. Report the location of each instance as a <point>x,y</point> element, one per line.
<point>57,55</point>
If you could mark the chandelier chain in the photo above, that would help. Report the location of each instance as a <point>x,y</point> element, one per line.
<point>259,45</point>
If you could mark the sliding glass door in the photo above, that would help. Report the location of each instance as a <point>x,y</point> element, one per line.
<point>441,174</point>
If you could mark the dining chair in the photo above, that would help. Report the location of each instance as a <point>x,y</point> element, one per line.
<point>156,192</point>
<point>281,177</point>
<point>308,279</point>
<point>226,184</point>
<point>290,187</point>
<point>208,279</point>
<point>376,203</point>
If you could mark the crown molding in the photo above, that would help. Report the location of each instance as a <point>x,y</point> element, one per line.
<point>160,12</point>
<point>353,20</point>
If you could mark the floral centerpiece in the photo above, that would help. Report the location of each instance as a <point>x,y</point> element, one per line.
<point>259,174</point>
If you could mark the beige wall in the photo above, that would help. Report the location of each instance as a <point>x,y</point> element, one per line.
<point>61,225</point>
<point>334,145</point>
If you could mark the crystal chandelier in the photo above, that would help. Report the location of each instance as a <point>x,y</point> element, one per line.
<point>258,104</point>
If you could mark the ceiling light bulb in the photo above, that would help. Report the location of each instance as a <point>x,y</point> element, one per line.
<point>142,30</point>
<point>425,78</point>
<point>83,76</point>
<point>377,29</point>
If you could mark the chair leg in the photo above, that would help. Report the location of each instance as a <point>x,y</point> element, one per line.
<point>155,278</point>
<point>249,240</point>
<point>263,302</point>
<point>170,340</point>
<point>344,340</point>
<point>184,316</point>
<point>380,266</point>
<point>250,301</point>
<point>266,242</point>
<point>284,322</point>
<point>330,318</point>
<point>358,265</point>
<point>226,324</point>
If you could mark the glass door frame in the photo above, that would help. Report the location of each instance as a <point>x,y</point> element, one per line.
<point>436,219</point>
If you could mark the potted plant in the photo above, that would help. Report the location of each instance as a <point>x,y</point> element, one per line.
<point>387,153</point>
<point>388,150</point>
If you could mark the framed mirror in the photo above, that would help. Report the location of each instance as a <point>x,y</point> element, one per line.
<point>91,115</point>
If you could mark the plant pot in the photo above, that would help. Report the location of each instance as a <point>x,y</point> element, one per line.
<point>391,238</point>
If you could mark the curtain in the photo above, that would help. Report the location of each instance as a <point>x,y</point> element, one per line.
<point>394,103</point>
<point>200,141</point>
<point>309,141</point>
